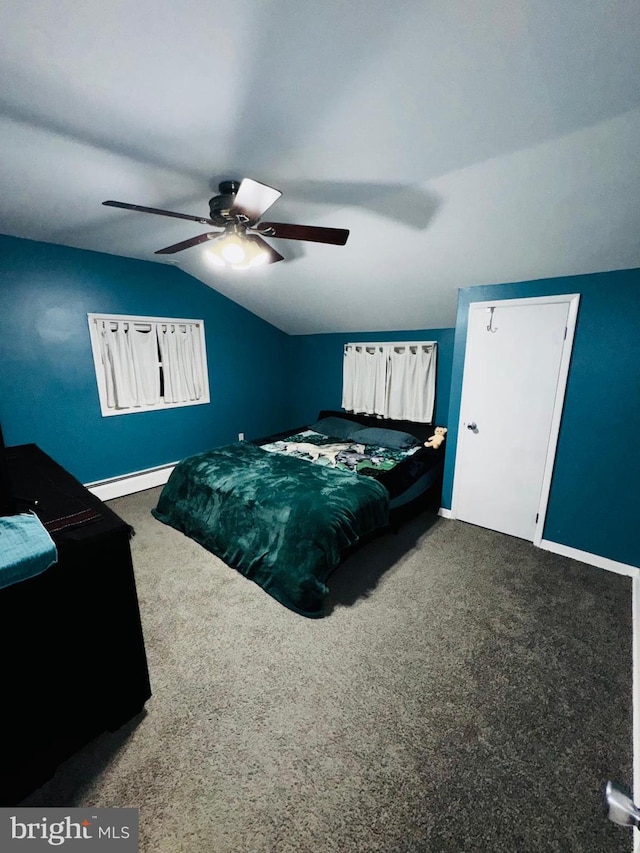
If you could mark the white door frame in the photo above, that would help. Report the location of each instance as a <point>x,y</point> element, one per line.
<point>573,299</point>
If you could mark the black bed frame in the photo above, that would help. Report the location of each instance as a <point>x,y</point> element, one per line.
<point>8,502</point>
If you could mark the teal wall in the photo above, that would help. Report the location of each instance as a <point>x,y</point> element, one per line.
<point>263,380</point>
<point>315,369</point>
<point>48,392</point>
<point>593,504</point>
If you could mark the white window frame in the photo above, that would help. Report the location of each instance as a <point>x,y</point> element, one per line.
<point>107,411</point>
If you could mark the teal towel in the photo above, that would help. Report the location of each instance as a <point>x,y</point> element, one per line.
<point>26,549</point>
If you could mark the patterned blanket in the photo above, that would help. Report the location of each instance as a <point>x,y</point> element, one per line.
<point>345,455</point>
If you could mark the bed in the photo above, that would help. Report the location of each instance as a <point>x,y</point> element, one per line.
<point>285,510</point>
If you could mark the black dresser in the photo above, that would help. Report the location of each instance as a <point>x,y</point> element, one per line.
<point>72,654</point>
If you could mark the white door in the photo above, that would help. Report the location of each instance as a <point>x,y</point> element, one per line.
<point>515,370</point>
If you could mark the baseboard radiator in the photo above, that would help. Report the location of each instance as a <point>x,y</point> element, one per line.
<point>127,484</point>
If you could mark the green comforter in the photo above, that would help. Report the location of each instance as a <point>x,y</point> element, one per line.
<point>281,521</point>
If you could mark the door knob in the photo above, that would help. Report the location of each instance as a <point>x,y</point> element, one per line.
<point>619,807</point>
<point>473,425</point>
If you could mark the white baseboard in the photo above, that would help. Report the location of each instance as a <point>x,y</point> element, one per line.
<point>138,481</point>
<point>574,553</point>
<point>590,559</point>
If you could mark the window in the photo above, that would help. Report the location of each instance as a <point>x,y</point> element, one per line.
<point>147,363</point>
<point>391,380</point>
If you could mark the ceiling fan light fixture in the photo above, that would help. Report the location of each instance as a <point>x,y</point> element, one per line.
<point>238,251</point>
<point>260,259</point>
<point>232,250</point>
<point>255,253</point>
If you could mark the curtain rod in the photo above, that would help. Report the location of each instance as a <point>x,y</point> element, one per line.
<point>142,318</point>
<point>391,344</point>
<point>145,326</point>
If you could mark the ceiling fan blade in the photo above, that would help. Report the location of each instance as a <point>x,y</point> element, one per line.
<point>187,244</point>
<point>252,199</point>
<point>140,209</point>
<point>312,233</point>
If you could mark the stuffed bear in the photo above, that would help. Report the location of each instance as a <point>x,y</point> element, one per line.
<point>436,440</point>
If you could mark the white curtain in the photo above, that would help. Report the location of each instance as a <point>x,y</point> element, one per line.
<point>144,357</point>
<point>181,362</point>
<point>114,350</point>
<point>364,380</point>
<point>130,360</point>
<point>411,390</point>
<point>131,356</point>
<point>396,381</point>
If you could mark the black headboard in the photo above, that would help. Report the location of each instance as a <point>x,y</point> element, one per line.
<point>421,431</point>
<point>8,504</point>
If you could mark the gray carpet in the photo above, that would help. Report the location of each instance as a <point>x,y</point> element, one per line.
<point>467,692</point>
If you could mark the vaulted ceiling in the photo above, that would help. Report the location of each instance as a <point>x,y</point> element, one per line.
<point>460,142</point>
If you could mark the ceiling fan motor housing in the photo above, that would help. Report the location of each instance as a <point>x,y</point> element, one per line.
<point>220,205</point>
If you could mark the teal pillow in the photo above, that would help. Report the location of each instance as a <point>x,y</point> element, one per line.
<point>337,428</point>
<point>391,438</point>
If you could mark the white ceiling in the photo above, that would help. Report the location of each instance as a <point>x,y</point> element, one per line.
<point>460,142</point>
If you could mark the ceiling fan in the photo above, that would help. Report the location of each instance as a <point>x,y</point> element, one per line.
<point>237,210</point>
